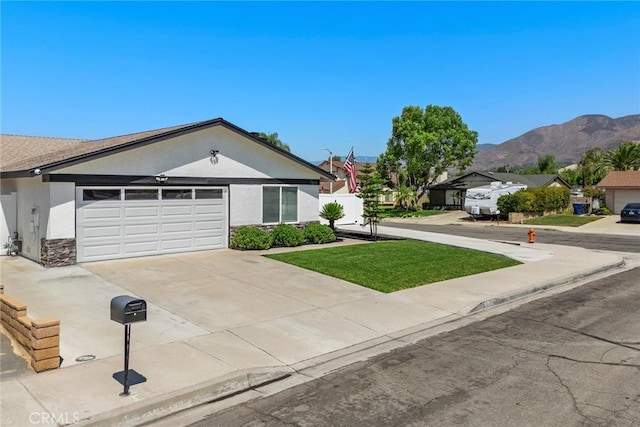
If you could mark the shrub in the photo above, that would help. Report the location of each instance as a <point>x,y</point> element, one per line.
<point>319,233</point>
<point>287,235</point>
<point>603,211</point>
<point>332,212</point>
<point>251,238</point>
<point>535,200</point>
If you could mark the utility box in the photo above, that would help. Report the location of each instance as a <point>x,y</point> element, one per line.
<point>126,309</point>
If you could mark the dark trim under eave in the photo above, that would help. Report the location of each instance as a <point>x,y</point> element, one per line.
<point>114,180</point>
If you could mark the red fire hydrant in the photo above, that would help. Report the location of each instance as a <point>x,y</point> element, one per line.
<point>532,235</point>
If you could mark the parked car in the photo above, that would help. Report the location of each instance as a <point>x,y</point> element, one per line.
<point>630,213</point>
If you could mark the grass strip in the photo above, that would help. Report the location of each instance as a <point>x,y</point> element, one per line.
<point>562,220</point>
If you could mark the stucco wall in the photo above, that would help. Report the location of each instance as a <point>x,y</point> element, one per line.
<point>33,214</point>
<point>189,155</point>
<point>62,216</point>
<point>245,204</point>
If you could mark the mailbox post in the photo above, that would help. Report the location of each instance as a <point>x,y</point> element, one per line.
<point>127,310</point>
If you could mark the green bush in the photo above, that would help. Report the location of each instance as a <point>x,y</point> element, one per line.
<point>251,238</point>
<point>535,200</point>
<point>287,235</point>
<point>319,233</point>
<point>604,211</point>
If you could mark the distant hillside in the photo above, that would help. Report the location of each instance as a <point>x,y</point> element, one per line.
<point>567,141</point>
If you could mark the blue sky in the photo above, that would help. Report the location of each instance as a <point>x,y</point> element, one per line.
<point>322,75</point>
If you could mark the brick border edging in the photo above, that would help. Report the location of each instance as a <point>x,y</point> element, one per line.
<point>40,338</point>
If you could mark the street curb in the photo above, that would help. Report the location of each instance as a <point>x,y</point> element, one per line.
<point>153,409</point>
<point>572,278</point>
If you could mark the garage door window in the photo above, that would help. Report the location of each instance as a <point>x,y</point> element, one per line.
<point>209,194</point>
<point>279,204</point>
<point>100,194</point>
<point>176,194</point>
<point>141,194</point>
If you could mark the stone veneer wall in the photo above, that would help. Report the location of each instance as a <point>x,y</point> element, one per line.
<point>40,338</point>
<point>57,252</point>
<point>300,226</point>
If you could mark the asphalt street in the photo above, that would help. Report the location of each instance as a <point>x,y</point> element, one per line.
<point>564,360</point>
<point>491,231</point>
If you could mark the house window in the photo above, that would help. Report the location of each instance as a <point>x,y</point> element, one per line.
<point>140,194</point>
<point>100,194</point>
<point>279,204</point>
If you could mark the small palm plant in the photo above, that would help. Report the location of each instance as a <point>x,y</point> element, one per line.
<point>332,212</point>
<point>405,197</point>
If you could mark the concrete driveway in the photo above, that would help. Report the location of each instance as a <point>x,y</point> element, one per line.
<point>216,295</point>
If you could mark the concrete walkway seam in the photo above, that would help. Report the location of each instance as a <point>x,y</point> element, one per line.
<point>150,410</point>
<point>572,278</point>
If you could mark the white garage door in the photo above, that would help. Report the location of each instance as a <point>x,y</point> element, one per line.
<point>622,197</point>
<point>129,222</point>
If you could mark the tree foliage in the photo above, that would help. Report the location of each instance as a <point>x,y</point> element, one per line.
<point>272,138</point>
<point>370,185</point>
<point>591,167</point>
<point>427,142</point>
<point>624,158</point>
<point>405,198</point>
<point>547,164</point>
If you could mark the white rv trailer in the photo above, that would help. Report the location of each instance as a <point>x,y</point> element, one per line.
<point>483,201</point>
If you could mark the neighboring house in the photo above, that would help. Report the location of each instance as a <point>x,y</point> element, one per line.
<point>451,193</point>
<point>621,187</point>
<point>337,168</point>
<point>178,189</point>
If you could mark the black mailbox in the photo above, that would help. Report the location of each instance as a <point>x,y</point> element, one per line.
<point>126,309</point>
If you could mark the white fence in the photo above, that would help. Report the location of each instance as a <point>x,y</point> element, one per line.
<point>351,204</point>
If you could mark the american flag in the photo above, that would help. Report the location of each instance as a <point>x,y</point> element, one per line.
<point>350,167</point>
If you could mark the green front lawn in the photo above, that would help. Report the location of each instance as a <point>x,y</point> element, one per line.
<point>563,220</point>
<point>390,266</point>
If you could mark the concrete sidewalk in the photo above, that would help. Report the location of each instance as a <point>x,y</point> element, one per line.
<point>225,321</point>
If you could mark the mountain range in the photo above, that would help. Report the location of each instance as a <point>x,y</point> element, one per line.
<point>567,142</point>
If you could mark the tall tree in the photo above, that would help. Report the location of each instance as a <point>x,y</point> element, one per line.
<point>272,138</point>
<point>547,164</point>
<point>370,189</point>
<point>591,166</point>
<point>429,141</point>
<point>624,158</point>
